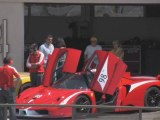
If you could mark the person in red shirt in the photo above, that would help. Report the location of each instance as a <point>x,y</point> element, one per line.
<point>7,87</point>
<point>35,63</point>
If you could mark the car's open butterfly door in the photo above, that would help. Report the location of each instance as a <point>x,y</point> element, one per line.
<point>61,61</point>
<point>107,71</point>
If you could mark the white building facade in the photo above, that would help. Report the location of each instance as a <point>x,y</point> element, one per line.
<point>12,24</point>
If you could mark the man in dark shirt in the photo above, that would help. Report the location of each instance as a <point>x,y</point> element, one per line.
<point>7,88</point>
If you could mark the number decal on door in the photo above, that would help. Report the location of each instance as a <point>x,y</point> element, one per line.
<point>103,77</point>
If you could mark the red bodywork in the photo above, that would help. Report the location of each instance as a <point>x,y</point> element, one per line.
<point>109,79</point>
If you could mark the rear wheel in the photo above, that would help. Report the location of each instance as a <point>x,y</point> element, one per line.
<point>24,87</point>
<point>83,100</point>
<point>152,97</point>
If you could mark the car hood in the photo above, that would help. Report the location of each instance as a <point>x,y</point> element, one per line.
<point>44,95</point>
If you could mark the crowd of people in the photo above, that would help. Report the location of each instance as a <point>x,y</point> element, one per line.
<point>36,63</point>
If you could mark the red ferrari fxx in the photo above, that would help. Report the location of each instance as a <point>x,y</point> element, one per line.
<point>103,80</point>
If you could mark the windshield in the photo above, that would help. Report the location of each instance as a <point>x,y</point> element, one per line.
<point>92,69</point>
<point>94,64</point>
<point>71,81</point>
<point>57,73</point>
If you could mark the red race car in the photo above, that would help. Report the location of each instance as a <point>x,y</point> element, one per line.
<point>103,80</point>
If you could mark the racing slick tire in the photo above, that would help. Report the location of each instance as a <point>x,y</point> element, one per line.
<point>152,97</point>
<point>25,86</point>
<point>83,100</point>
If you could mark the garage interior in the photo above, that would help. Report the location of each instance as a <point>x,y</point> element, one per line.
<point>136,26</point>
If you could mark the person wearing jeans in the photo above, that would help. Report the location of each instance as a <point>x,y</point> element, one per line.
<point>7,88</point>
<point>35,63</point>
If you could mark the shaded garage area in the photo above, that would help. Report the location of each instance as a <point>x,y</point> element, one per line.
<point>136,26</point>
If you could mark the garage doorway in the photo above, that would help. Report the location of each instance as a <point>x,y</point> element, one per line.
<point>136,26</point>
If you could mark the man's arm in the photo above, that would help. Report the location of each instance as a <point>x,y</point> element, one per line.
<point>41,48</point>
<point>85,54</point>
<point>41,59</point>
<point>17,75</point>
<point>28,64</point>
<point>52,49</point>
<point>121,54</point>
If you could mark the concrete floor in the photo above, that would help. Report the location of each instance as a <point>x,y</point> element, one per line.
<point>113,116</point>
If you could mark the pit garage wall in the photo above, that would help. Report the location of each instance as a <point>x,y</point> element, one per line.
<point>14,13</point>
<point>109,29</point>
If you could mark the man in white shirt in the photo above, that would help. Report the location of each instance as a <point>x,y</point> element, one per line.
<point>90,49</point>
<point>47,48</point>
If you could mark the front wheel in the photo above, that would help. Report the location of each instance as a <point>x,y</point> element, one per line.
<point>152,97</point>
<point>83,100</point>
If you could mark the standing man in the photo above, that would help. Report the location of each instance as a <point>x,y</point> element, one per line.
<point>90,49</point>
<point>47,48</point>
<point>117,49</point>
<point>35,63</point>
<point>7,88</point>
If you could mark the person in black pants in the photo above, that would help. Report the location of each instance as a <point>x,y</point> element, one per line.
<point>7,88</point>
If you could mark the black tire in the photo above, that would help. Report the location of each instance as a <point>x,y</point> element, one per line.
<point>152,97</point>
<point>83,100</point>
<point>25,86</point>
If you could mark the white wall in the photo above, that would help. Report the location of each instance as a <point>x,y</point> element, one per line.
<point>14,13</point>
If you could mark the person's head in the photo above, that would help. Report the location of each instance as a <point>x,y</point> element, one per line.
<point>93,41</point>
<point>116,44</point>
<point>7,60</point>
<point>61,43</point>
<point>63,46</point>
<point>33,48</point>
<point>49,39</point>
